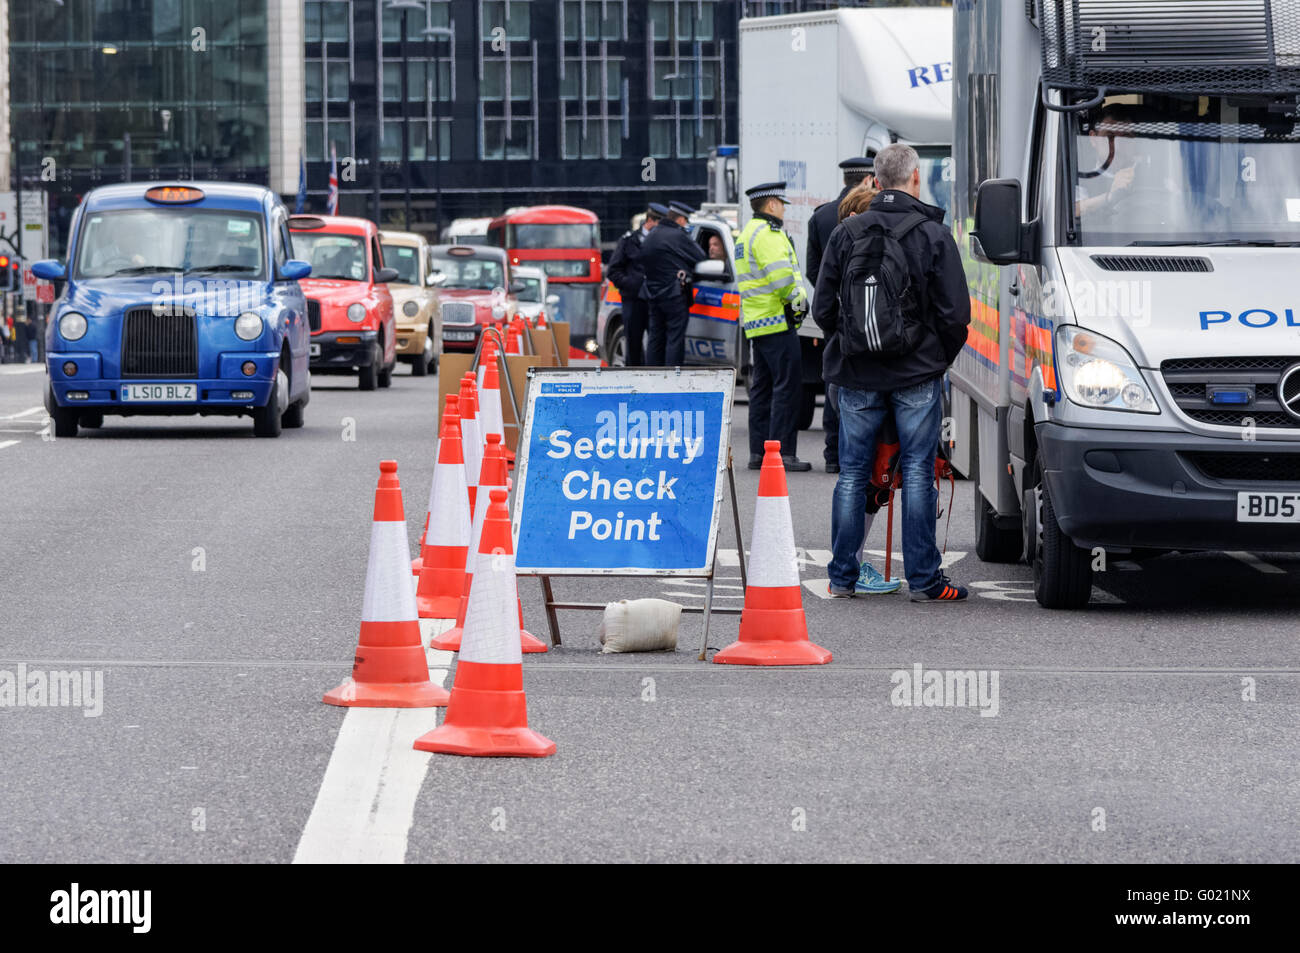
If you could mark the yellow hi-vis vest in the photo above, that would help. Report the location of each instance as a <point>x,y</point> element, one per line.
<point>767,276</point>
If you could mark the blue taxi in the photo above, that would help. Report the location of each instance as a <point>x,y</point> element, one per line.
<point>178,299</point>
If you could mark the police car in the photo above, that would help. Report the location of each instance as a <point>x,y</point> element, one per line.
<point>179,299</point>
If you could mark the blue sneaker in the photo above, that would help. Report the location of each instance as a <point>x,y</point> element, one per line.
<point>871,582</point>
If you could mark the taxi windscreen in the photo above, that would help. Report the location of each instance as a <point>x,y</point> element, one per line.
<point>189,240</point>
<point>331,256</point>
<point>479,274</point>
<point>406,261</point>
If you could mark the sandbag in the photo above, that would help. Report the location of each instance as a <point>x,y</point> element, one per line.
<point>640,625</point>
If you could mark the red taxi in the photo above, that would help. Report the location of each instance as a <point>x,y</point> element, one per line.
<point>349,307</point>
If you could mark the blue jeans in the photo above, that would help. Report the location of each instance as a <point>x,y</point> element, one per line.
<point>918,414</point>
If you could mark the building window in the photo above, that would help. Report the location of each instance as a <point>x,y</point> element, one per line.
<point>661,138</point>
<point>513,16</point>
<point>683,19</point>
<point>317,146</point>
<point>503,139</point>
<point>327,20</point>
<point>494,79</point>
<point>604,79</point>
<point>586,20</point>
<point>436,14</point>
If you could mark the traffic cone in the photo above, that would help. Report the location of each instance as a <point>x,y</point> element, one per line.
<point>446,549</point>
<point>490,405</point>
<point>472,435</point>
<point>488,713</point>
<point>390,669</point>
<point>450,407</point>
<point>515,337</point>
<point>773,629</point>
<point>493,476</point>
<point>487,356</point>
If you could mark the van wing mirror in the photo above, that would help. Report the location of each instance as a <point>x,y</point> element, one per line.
<point>711,269</point>
<point>1000,236</point>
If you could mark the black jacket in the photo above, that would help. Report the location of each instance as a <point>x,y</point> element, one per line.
<point>936,270</point>
<point>823,221</point>
<point>625,267</point>
<point>666,251</point>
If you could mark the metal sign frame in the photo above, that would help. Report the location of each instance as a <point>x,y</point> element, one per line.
<point>681,380</point>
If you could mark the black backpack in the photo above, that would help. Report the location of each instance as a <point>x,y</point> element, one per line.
<point>881,313</point>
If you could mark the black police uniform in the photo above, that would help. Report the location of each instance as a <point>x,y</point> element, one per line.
<point>627,273</point>
<point>823,221</point>
<point>668,256</point>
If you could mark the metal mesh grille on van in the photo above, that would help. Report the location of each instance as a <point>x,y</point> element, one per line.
<point>1152,263</point>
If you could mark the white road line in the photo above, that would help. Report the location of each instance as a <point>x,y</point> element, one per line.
<point>366,804</point>
<point>1254,562</point>
<point>949,558</point>
<point>23,413</point>
<point>818,587</point>
<point>700,595</point>
<point>7,443</point>
<point>23,369</point>
<point>728,558</point>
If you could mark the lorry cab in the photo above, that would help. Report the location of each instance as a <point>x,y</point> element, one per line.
<point>474,288</point>
<point>178,299</point>
<point>415,300</point>
<point>353,328</point>
<point>1128,217</point>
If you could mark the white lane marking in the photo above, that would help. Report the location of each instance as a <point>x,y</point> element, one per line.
<point>728,558</point>
<point>700,595</point>
<point>23,413</point>
<point>818,587</point>
<point>23,369</point>
<point>7,443</point>
<point>366,803</point>
<point>1254,562</point>
<point>702,584</point>
<point>949,558</point>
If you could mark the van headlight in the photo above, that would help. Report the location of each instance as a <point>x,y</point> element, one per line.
<point>1098,372</point>
<point>72,326</point>
<point>248,326</point>
<point>357,312</point>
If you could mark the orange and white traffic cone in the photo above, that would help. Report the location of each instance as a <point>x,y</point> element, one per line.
<point>446,549</point>
<point>514,344</point>
<point>390,669</point>
<point>488,356</point>
<point>773,629</point>
<point>493,477</point>
<point>471,435</point>
<point>490,405</point>
<point>451,406</point>
<point>488,713</point>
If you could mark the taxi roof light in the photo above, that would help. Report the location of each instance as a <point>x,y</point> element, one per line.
<point>173,194</point>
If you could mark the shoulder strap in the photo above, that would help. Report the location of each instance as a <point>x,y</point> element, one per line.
<point>909,222</point>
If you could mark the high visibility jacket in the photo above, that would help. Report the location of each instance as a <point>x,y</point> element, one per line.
<point>767,276</point>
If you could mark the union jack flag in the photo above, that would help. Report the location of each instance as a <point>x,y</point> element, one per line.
<point>332,203</point>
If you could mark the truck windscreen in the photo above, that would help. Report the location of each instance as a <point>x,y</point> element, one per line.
<point>936,177</point>
<point>1186,170</point>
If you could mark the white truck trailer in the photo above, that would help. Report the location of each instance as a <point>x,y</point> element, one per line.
<point>1128,207</point>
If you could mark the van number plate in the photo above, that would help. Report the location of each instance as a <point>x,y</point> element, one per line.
<point>1268,507</point>
<point>159,393</point>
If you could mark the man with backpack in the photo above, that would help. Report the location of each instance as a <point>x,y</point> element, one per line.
<point>891,299</point>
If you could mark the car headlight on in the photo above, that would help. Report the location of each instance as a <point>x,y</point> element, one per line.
<point>357,312</point>
<point>72,326</point>
<point>1098,372</point>
<point>248,326</point>
<point>410,309</point>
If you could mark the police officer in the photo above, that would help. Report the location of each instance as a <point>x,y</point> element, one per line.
<point>628,275</point>
<point>669,256</point>
<point>772,304</point>
<point>823,221</point>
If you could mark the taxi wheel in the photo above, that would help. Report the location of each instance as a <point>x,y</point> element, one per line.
<point>386,375</point>
<point>65,421</point>
<point>267,420</point>
<point>421,365</point>
<point>294,415</point>
<point>92,421</point>
<point>368,379</point>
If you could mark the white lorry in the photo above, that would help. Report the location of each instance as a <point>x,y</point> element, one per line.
<point>1128,207</point>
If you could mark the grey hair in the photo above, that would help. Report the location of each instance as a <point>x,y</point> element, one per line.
<point>895,164</point>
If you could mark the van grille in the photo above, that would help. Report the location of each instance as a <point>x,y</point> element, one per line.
<point>1189,380</point>
<point>1152,263</point>
<point>458,312</point>
<point>159,344</point>
<point>1248,467</point>
<point>313,314</point>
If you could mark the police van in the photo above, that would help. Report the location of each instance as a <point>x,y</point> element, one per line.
<point>713,333</point>
<point>178,299</point>
<point>1127,204</point>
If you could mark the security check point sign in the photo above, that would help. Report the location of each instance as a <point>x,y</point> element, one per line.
<point>622,470</point>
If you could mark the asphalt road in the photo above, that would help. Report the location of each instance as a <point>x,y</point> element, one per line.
<point>214,580</point>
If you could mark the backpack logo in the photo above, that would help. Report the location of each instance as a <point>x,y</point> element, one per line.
<point>870,325</point>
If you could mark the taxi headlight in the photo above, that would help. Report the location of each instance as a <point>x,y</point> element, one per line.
<point>248,326</point>
<point>357,312</point>
<point>72,326</point>
<point>410,309</point>
<point>1098,372</point>
<point>498,312</point>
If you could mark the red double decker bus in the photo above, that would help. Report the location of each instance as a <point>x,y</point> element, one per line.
<point>565,243</point>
